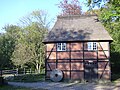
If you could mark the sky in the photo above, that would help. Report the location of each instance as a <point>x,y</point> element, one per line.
<point>11,11</point>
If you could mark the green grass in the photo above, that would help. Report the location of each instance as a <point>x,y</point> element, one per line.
<point>116,77</point>
<point>8,87</point>
<point>29,78</point>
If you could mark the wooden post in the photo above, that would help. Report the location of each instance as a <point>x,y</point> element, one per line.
<point>34,71</point>
<point>1,78</point>
<point>45,62</point>
<point>70,58</point>
<point>24,71</point>
<point>30,71</point>
<point>83,60</point>
<point>17,71</point>
<point>56,57</point>
<point>97,60</point>
<point>1,73</point>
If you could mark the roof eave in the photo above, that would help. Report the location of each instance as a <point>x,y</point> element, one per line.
<point>45,42</point>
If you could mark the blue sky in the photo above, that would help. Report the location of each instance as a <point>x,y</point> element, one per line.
<point>13,10</point>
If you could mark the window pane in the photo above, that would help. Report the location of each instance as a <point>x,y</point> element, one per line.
<point>92,46</point>
<point>58,46</point>
<point>63,46</point>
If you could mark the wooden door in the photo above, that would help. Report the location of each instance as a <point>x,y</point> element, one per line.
<point>91,71</point>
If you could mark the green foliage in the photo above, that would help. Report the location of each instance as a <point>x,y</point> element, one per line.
<point>7,45</point>
<point>29,50</point>
<point>110,17</point>
<point>29,78</point>
<point>21,46</point>
<point>8,87</point>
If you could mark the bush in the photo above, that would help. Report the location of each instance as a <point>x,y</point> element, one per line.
<point>29,78</point>
<point>2,81</point>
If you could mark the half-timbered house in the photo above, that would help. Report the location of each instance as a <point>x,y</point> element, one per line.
<point>79,46</point>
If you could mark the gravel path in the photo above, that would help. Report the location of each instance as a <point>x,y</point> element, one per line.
<point>66,86</point>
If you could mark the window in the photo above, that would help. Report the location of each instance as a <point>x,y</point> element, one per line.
<point>61,46</point>
<point>92,46</point>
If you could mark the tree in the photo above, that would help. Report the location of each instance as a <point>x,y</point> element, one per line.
<point>35,37</point>
<point>110,17</point>
<point>102,2</point>
<point>38,16</point>
<point>30,42</point>
<point>110,8</point>
<point>70,7</point>
<point>21,55</point>
<point>92,12</point>
<point>7,44</point>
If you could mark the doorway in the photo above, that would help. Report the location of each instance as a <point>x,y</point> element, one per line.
<point>91,71</point>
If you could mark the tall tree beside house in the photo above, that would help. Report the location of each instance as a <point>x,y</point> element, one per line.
<point>22,46</point>
<point>110,17</point>
<point>29,50</point>
<point>70,7</point>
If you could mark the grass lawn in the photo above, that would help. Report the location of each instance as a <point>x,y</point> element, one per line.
<point>28,78</point>
<point>8,87</point>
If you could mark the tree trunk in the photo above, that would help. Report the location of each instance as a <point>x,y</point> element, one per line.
<point>37,68</point>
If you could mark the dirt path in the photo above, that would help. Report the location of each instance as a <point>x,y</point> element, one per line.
<point>67,86</point>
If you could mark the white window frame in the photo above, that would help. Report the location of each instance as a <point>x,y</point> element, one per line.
<point>92,46</point>
<point>61,46</point>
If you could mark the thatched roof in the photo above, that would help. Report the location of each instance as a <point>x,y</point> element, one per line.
<point>77,28</point>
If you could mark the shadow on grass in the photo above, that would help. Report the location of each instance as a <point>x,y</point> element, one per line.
<point>28,78</point>
<point>8,87</point>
